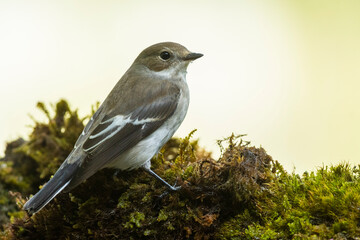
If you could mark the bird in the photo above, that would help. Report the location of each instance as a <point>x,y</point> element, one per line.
<point>140,114</point>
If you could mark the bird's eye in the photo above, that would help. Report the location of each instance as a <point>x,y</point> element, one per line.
<point>165,55</point>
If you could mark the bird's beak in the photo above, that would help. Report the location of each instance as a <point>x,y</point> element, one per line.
<point>193,56</point>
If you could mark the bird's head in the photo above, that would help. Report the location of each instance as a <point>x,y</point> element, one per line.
<point>166,56</point>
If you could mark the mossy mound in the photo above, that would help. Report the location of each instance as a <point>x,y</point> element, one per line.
<point>28,164</point>
<point>243,195</point>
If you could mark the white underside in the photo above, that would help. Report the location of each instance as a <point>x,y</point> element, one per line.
<point>141,153</point>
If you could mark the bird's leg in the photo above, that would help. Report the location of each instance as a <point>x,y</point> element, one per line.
<point>147,169</point>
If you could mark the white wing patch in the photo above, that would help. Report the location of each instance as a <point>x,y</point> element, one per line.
<point>117,123</point>
<point>84,132</point>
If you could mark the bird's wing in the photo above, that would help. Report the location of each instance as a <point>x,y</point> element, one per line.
<point>94,120</point>
<point>122,128</point>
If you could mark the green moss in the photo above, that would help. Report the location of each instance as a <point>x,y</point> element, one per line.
<point>260,232</point>
<point>123,201</point>
<point>244,194</point>
<point>162,216</point>
<point>149,232</point>
<point>135,220</point>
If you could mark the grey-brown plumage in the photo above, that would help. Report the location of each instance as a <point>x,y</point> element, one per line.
<point>138,117</point>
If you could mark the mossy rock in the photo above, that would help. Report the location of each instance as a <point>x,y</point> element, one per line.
<point>244,194</point>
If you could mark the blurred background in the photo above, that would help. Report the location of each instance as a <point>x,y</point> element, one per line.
<point>286,73</point>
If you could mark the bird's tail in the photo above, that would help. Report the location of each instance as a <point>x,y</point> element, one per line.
<point>52,188</point>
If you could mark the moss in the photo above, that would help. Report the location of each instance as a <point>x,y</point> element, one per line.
<point>244,194</point>
<point>135,220</point>
<point>162,216</point>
